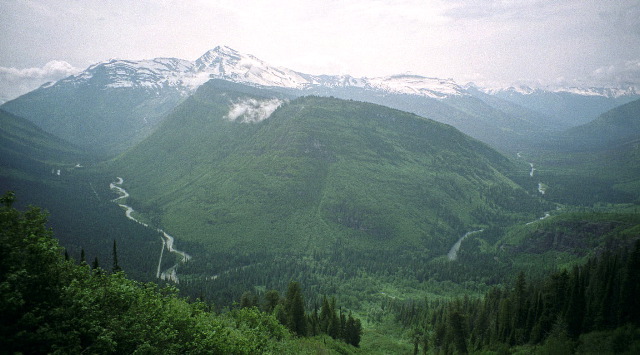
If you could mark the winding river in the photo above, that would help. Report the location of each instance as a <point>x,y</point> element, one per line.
<point>542,188</point>
<point>453,252</point>
<point>168,241</point>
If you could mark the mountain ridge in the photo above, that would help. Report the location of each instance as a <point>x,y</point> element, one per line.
<point>316,169</point>
<point>113,105</point>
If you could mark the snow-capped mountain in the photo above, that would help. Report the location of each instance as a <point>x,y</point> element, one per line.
<point>608,92</point>
<point>568,106</point>
<point>115,104</point>
<point>228,64</point>
<point>153,74</point>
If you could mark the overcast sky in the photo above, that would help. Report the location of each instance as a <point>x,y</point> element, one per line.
<point>490,42</point>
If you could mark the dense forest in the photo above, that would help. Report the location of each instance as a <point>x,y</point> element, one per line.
<point>52,304</point>
<point>333,226</point>
<point>591,308</point>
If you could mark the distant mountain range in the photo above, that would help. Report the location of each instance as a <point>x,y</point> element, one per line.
<point>113,105</point>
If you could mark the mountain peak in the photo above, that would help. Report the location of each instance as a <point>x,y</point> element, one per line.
<point>226,63</point>
<point>218,57</point>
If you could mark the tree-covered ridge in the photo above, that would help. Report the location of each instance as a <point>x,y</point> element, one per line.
<point>52,305</point>
<point>590,308</point>
<point>25,148</point>
<point>317,170</point>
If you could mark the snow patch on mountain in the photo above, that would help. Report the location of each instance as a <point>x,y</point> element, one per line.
<point>417,85</point>
<point>152,74</point>
<point>608,92</point>
<point>250,110</point>
<point>228,64</point>
<point>225,63</point>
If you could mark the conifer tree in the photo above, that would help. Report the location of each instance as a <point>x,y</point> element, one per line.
<point>574,315</point>
<point>294,306</point>
<point>246,301</point>
<point>116,267</point>
<point>630,289</point>
<point>458,332</point>
<point>271,300</point>
<point>325,315</point>
<point>353,330</point>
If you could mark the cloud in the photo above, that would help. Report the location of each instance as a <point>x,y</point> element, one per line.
<point>625,73</point>
<point>15,82</point>
<point>252,110</point>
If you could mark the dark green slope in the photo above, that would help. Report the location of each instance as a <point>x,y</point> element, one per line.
<point>318,171</point>
<point>504,126</point>
<point>615,127</point>
<point>26,148</point>
<point>596,162</point>
<point>42,170</point>
<point>99,119</point>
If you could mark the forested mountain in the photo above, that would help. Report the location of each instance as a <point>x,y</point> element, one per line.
<point>27,148</point>
<point>107,108</point>
<point>56,175</point>
<point>52,304</point>
<point>597,161</point>
<point>315,171</point>
<point>569,107</point>
<point>590,308</point>
<point>387,199</point>
<point>616,127</point>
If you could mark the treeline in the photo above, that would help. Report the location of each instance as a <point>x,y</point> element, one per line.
<point>352,275</point>
<point>290,311</point>
<point>54,305</point>
<point>591,305</point>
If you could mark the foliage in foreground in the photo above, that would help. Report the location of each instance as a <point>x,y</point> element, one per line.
<point>51,305</point>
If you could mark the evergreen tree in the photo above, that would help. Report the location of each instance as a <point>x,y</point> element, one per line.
<point>458,332</point>
<point>574,314</point>
<point>271,300</point>
<point>246,301</point>
<point>325,315</point>
<point>294,307</point>
<point>353,330</point>
<point>116,267</point>
<point>95,265</point>
<point>630,289</point>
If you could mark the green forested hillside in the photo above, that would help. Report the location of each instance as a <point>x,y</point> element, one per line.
<point>590,308</point>
<point>595,162</point>
<point>28,149</point>
<point>614,127</point>
<point>51,304</point>
<point>316,172</point>
<point>351,199</point>
<point>98,119</point>
<point>54,174</point>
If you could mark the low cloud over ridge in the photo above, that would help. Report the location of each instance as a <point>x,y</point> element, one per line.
<point>252,110</point>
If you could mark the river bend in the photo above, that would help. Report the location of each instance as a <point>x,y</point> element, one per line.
<point>168,241</point>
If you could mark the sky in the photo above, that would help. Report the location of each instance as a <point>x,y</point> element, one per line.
<point>494,43</point>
